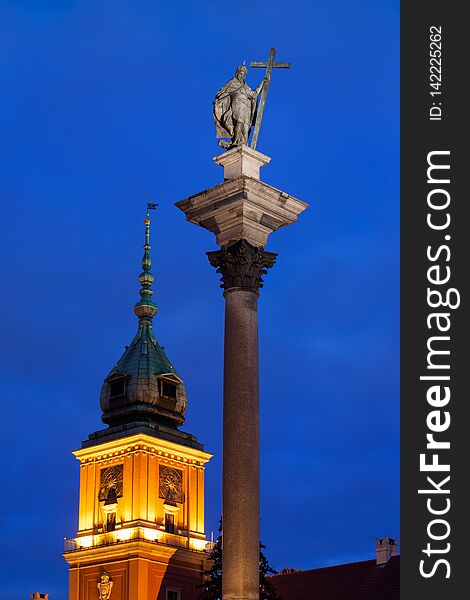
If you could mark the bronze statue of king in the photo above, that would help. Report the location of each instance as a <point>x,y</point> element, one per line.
<point>235,109</point>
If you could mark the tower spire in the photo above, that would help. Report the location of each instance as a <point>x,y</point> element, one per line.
<point>145,309</point>
<point>143,385</point>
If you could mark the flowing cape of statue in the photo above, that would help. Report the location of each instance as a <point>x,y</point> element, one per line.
<point>223,108</point>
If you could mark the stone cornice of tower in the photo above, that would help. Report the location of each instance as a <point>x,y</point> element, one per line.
<point>149,550</point>
<point>141,442</point>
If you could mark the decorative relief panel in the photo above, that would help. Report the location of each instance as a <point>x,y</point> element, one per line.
<point>171,484</point>
<point>111,482</point>
<point>105,586</point>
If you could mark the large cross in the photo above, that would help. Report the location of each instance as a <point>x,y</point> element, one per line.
<point>269,66</point>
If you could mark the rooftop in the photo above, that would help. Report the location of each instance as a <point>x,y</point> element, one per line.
<point>353,581</point>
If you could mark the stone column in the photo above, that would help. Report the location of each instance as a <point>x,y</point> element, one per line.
<point>241,266</point>
<point>242,212</point>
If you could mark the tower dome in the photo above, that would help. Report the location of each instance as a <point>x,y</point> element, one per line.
<point>143,386</point>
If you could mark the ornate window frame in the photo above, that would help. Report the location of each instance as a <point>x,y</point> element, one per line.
<point>115,378</point>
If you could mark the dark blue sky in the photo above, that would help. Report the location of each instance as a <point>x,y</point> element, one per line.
<point>102,101</point>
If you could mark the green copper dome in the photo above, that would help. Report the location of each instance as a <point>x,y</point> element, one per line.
<point>143,385</point>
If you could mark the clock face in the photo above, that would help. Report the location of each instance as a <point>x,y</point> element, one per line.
<point>111,482</point>
<point>171,484</point>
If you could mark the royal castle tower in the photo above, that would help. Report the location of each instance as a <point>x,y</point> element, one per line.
<point>141,504</point>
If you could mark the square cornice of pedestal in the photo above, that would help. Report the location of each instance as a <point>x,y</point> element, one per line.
<point>242,208</point>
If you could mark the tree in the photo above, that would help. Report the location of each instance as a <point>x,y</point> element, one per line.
<point>266,588</point>
<point>212,577</point>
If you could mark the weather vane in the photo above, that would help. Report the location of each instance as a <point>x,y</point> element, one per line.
<point>236,107</point>
<point>150,205</point>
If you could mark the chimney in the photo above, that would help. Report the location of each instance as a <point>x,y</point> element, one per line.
<point>38,596</point>
<point>385,548</point>
<point>286,571</point>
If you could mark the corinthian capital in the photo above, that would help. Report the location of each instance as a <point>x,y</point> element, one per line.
<point>242,265</point>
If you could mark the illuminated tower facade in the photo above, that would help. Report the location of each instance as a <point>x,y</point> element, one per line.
<point>141,503</point>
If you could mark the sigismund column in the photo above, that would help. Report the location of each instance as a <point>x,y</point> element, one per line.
<point>242,212</point>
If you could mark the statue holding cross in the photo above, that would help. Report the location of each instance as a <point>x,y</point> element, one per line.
<point>236,107</point>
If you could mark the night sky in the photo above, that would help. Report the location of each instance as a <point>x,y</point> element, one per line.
<point>103,101</point>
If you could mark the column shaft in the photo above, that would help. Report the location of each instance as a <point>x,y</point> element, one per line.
<point>241,266</point>
<point>241,477</point>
